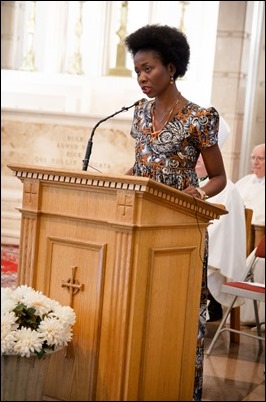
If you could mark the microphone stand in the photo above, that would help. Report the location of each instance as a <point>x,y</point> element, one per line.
<point>90,142</point>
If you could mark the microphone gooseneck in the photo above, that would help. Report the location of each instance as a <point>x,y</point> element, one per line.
<point>90,142</point>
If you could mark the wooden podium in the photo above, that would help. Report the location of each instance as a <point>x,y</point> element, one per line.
<point>126,253</point>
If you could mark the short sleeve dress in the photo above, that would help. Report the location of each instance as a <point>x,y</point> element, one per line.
<point>169,156</point>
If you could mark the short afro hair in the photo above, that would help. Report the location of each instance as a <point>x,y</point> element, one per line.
<point>169,42</point>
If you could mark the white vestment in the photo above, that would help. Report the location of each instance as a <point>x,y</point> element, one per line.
<point>227,242</point>
<point>252,192</point>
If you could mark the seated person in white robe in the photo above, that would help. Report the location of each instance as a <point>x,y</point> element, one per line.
<point>227,238</point>
<point>252,186</point>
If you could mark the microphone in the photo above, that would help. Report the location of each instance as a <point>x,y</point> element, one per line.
<point>90,142</point>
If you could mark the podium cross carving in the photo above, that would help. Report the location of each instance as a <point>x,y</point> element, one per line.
<point>126,202</point>
<point>73,287</point>
<point>29,191</point>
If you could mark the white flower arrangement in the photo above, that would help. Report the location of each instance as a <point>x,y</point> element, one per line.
<point>32,323</point>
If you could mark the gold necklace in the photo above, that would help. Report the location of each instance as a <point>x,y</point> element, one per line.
<point>154,131</point>
<point>168,112</point>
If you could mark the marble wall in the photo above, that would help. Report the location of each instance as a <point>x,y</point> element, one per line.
<point>58,141</point>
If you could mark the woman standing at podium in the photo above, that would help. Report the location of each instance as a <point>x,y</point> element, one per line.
<point>171,131</point>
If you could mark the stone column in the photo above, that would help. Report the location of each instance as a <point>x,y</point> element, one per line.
<point>230,76</point>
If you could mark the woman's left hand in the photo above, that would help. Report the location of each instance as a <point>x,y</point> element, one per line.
<point>191,190</point>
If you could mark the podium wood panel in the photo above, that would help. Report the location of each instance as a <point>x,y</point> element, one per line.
<point>126,253</point>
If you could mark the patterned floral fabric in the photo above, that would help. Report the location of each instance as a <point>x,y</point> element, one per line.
<point>169,156</point>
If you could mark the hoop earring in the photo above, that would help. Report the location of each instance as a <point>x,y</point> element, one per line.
<point>172,80</point>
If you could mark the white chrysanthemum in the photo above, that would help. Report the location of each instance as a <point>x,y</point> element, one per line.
<point>55,332</point>
<point>8,341</point>
<point>48,327</point>
<point>21,291</point>
<point>8,322</point>
<point>6,293</point>
<point>8,301</point>
<point>27,342</point>
<point>7,305</point>
<point>64,313</point>
<point>7,335</point>
<point>38,301</point>
<point>32,298</point>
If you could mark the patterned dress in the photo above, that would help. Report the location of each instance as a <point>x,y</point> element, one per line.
<point>169,156</point>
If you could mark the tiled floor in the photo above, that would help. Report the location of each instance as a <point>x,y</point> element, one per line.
<point>233,372</point>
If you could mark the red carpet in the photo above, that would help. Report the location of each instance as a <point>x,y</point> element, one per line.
<point>9,265</point>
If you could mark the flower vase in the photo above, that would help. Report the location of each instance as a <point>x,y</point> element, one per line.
<point>22,378</point>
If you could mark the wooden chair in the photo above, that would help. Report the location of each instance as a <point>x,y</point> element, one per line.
<point>258,231</point>
<point>249,231</point>
<point>245,289</point>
